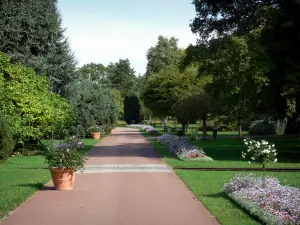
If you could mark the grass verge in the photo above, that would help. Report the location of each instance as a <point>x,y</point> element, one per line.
<point>22,176</point>
<point>207,186</point>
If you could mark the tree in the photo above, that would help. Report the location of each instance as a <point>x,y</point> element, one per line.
<point>164,54</point>
<point>94,72</point>
<point>163,90</point>
<point>122,77</point>
<point>132,109</point>
<point>278,24</point>
<point>238,76</point>
<point>31,111</point>
<point>31,33</point>
<point>93,105</point>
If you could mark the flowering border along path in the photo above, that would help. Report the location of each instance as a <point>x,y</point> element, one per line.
<point>183,149</point>
<point>264,198</point>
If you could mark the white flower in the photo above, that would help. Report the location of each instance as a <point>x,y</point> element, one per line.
<point>249,162</point>
<point>248,150</point>
<point>252,158</point>
<point>275,160</point>
<point>275,153</point>
<point>68,150</point>
<point>246,143</point>
<point>273,146</point>
<point>243,156</point>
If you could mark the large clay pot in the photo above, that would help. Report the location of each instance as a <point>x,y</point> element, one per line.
<point>95,135</point>
<point>112,131</point>
<point>63,178</point>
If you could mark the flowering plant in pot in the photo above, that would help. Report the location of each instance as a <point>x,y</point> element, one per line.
<point>95,131</point>
<point>63,161</point>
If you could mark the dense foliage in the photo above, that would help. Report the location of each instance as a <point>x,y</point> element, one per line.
<point>262,127</point>
<point>93,105</point>
<point>31,33</point>
<point>165,53</point>
<point>64,156</point>
<point>6,140</point>
<point>275,25</point>
<point>132,110</point>
<point>31,111</point>
<point>122,77</point>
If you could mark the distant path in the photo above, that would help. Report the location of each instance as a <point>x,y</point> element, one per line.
<point>126,183</point>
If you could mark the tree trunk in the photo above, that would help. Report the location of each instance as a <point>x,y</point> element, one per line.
<point>187,126</point>
<point>165,122</point>
<point>240,128</point>
<point>183,127</point>
<point>204,127</point>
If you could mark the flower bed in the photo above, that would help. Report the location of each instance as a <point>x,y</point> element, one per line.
<point>146,128</point>
<point>266,199</point>
<point>183,149</point>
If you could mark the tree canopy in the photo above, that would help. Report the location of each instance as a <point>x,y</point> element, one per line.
<point>165,53</point>
<point>31,33</point>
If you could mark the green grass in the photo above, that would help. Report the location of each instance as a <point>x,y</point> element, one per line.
<point>227,153</point>
<point>22,176</point>
<point>207,186</point>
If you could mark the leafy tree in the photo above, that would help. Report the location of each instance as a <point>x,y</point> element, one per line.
<point>164,89</point>
<point>165,53</point>
<point>29,108</point>
<point>132,110</point>
<point>278,24</point>
<point>238,76</point>
<point>6,140</point>
<point>120,101</point>
<point>31,33</point>
<point>94,72</point>
<point>93,105</point>
<point>122,77</point>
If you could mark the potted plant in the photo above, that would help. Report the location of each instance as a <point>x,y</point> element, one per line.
<point>95,131</point>
<point>63,161</point>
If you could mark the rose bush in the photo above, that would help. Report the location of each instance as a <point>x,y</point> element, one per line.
<point>261,152</point>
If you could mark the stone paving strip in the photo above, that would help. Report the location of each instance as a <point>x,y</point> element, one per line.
<point>131,168</point>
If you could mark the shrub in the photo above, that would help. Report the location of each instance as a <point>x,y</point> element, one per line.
<point>30,109</point>
<point>6,140</point>
<point>280,126</point>
<point>132,109</point>
<point>262,127</point>
<point>65,156</point>
<point>93,104</point>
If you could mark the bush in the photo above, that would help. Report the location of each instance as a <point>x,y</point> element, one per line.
<point>31,111</point>
<point>93,104</point>
<point>132,110</point>
<point>262,127</point>
<point>6,140</point>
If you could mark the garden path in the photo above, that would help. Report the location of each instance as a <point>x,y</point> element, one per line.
<point>126,183</point>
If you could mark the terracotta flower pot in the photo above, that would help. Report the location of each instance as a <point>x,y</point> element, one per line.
<point>112,131</point>
<point>63,178</point>
<point>95,135</point>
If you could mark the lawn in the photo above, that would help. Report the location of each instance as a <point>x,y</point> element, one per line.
<point>226,152</point>
<point>22,176</point>
<point>207,186</point>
